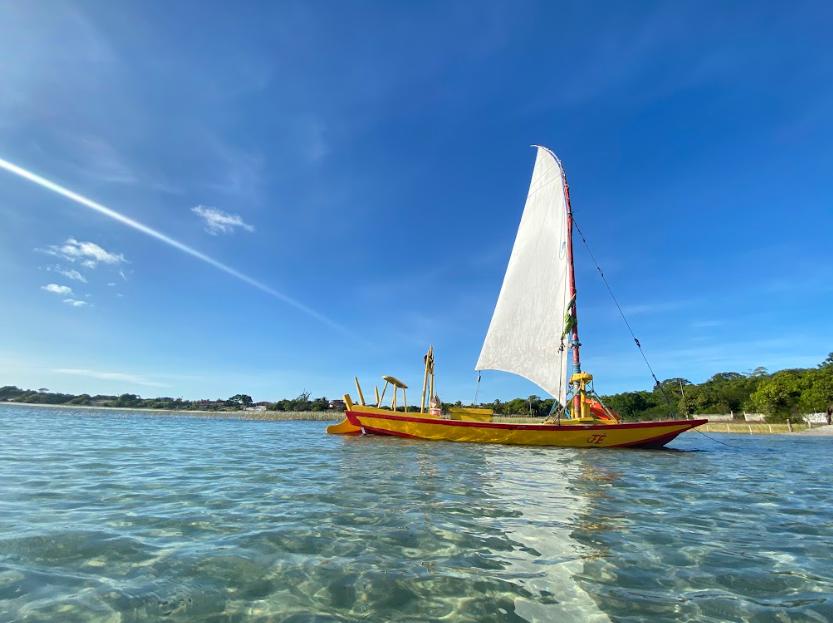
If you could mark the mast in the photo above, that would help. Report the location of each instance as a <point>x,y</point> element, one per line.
<point>572,284</point>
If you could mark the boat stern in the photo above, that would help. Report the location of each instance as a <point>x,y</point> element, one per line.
<point>346,426</point>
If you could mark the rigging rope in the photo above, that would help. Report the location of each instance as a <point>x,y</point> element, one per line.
<point>712,438</point>
<point>630,330</point>
<point>621,312</point>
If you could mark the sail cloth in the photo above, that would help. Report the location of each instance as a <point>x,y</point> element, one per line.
<point>526,335</point>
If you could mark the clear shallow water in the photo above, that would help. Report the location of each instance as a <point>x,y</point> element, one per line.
<point>129,517</point>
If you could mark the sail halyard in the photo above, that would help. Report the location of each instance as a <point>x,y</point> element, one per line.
<point>529,325</point>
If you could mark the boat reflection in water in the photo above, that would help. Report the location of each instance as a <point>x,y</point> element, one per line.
<point>550,489</point>
<point>459,532</point>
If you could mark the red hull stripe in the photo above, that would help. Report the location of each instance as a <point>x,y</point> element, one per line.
<point>351,415</point>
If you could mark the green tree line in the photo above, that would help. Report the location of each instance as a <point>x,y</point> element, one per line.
<point>783,395</point>
<point>11,393</point>
<point>786,394</point>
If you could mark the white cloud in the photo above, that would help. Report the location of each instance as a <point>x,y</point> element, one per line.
<point>110,376</point>
<point>219,222</point>
<point>68,273</point>
<point>89,254</point>
<point>75,302</point>
<point>54,288</point>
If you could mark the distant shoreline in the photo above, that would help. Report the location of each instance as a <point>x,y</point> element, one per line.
<point>758,428</point>
<point>318,416</point>
<point>333,416</point>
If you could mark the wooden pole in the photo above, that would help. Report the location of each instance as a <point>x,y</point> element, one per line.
<point>425,380</point>
<point>384,389</point>
<point>359,389</point>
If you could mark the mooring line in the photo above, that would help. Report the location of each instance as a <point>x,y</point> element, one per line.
<point>713,439</point>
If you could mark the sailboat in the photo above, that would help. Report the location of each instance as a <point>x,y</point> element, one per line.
<point>533,333</point>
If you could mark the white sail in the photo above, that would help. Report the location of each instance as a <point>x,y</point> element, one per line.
<point>526,334</point>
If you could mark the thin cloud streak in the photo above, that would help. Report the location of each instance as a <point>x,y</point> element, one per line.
<point>149,231</point>
<point>219,222</point>
<point>68,273</point>
<point>110,376</point>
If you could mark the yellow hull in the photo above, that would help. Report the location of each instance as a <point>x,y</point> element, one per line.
<point>372,420</point>
<point>344,428</point>
<point>471,414</point>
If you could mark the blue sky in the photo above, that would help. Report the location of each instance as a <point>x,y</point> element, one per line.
<point>370,161</point>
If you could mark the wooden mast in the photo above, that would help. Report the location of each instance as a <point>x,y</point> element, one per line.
<point>576,412</point>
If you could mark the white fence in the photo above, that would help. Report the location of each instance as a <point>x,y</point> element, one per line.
<point>810,418</point>
<point>728,417</point>
<point>815,418</point>
<point>711,417</point>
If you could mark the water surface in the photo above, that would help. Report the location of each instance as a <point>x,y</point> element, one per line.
<point>109,516</point>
